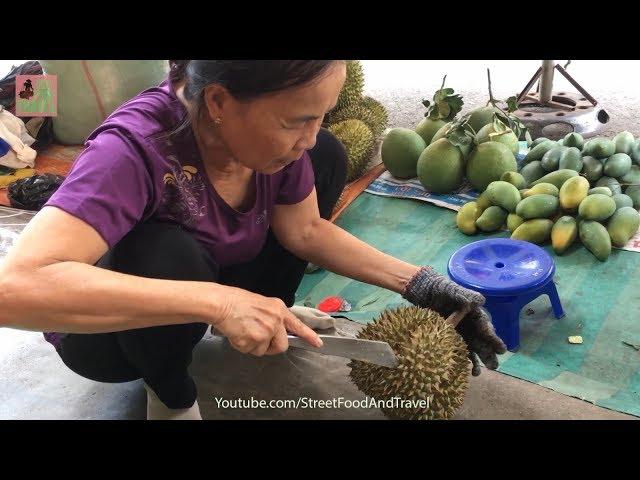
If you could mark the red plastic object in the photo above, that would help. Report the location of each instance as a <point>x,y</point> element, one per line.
<point>331,304</point>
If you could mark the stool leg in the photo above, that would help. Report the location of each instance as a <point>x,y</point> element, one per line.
<point>552,292</point>
<point>506,320</point>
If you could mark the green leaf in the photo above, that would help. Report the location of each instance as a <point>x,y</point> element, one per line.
<point>460,134</point>
<point>444,109</point>
<point>446,105</point>
<point>512,102</point>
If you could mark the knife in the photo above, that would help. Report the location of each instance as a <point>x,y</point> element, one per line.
<point>370,351</point>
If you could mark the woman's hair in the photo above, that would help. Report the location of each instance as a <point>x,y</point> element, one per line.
<point>244,79</point>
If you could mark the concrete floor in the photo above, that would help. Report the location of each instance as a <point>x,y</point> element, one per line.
<point>35,384</point>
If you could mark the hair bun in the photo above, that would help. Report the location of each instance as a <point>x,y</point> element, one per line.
<point>178,69</point>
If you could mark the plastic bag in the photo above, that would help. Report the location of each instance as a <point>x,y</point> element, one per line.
<point>33,192</point>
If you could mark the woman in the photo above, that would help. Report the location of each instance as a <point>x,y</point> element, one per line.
<point>199,203</point>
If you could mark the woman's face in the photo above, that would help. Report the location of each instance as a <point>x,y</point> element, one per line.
<point>268,133</point>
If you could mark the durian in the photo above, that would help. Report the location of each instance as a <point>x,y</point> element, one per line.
<point>358,141</point>
<point>432,365</point>
<point>367,110</point>
<point>353,86</point>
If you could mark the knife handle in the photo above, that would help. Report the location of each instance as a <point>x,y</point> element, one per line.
<point>456,317</point>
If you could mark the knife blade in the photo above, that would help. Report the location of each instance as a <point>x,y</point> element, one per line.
<point>370,351</point>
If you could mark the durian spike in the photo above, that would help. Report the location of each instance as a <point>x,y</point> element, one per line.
<point>456,317</point>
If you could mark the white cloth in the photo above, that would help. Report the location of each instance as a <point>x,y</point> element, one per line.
<point>313,318</point>
<point>14,132</point>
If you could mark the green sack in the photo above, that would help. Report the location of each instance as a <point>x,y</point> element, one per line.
<point>90,90</point>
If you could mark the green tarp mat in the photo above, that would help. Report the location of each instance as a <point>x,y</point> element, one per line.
<point>601,301</point>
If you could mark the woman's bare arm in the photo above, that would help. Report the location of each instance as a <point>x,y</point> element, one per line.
<point>48,282</point>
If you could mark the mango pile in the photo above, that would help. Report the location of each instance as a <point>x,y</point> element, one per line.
<point>567,191</point>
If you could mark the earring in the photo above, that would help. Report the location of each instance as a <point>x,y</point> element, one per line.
<point>217,121</point>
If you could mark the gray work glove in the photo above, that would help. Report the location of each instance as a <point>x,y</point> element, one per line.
<point>430,289</point>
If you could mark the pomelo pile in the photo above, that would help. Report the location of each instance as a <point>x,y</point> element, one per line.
<point>566,190</point>
<point>442,151</point>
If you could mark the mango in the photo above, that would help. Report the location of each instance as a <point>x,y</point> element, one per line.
<point>515,179</point>
<point>571,159</point>
<point>483,201</point>
<point>537,206</point>
<point>514,221</point>
<point>533,171</point>
<point>542,188</point>
<point>600,148</point>
<point>537,152</point>
<point>623,225</point>
<point>573,192</point>
<point>623,141</point>
<point>595,238</point>
<point>597,207</point>
<point>592,168</point>
<point>557,178</point>
<point>610,182</point>
<point>635,152</point>
<point>631,177</point>
<point>534,231</point>
<point>622,200</point>
<point>563,234</point>
<point>573,140</point>
<point>466,218</point>
<point>551,159</point>
<point>491,219</point>
<point>633,192</point>
<point>601,190</point>
<point>503,194</point>
<point>617,165</point>
<point>539,140</point>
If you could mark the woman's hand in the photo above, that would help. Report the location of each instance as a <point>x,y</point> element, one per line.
<point>430,289</point>
<point>258,325</point>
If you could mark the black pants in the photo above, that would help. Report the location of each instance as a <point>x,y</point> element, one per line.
<point>161,355</point>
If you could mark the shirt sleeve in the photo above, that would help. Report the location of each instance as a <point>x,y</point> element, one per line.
<point>109,186</point>
<point>297,182</point>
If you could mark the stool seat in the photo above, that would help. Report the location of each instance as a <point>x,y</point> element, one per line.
<point>510,274</point>
<point>501,266</point>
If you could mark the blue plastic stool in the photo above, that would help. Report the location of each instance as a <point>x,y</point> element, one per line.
<point>510,274</point>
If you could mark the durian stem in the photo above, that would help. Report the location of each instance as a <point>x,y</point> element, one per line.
<point>443,80</point>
